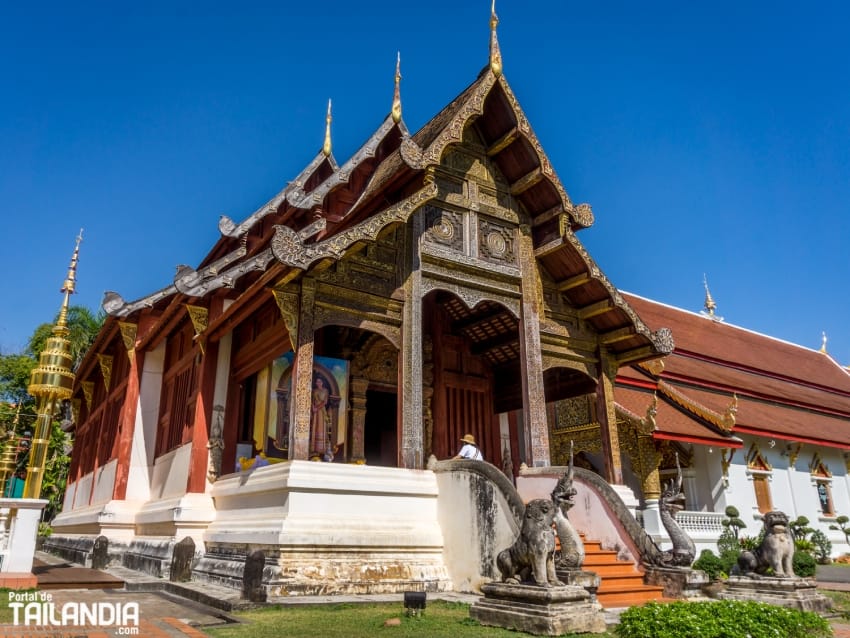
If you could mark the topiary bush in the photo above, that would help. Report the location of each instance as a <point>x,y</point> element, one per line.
<point>804,564</point>
<point>720,619</point>
<point>823,547</point>
<point>710,563</point>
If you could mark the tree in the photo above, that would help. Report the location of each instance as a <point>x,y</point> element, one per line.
<point>15,370</point>
<point>83,326</point>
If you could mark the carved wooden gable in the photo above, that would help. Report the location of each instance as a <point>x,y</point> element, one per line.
<point>475,218</point>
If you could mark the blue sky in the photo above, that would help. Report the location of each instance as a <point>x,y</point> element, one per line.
<point>710,138</point>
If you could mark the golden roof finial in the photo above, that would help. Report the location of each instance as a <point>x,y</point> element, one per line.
<point>710,306</point>
<point>69,286</point>
<point>396,110</point>
<point>495,54</point>
<point>823,343</point>
<point>326,147</point>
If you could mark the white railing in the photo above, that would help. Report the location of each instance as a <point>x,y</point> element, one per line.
<point>702,523</point>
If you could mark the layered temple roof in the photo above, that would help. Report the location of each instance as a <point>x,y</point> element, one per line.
<point>724,380</point>
<point>329,210</point>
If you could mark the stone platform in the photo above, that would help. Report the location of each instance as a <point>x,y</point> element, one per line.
<point>796,593</point>
<point>543,611</point>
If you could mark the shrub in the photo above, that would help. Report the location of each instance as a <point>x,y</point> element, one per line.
<point>842,526</point>
<point>800,528</point>
<point>823,547</point>
<point>710,563</point>
<point>718,620</point>
<point>804,564</point>
<point>729,559</point>
<point>44,529</point>
<point>727,542</point>
<point>733,520</point>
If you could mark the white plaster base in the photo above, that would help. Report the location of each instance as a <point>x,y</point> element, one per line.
<point>20,518</point>
<point>327,528</point>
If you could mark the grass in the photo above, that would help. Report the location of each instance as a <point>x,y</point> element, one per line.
<point>440,620</point>
<point>840,601</point>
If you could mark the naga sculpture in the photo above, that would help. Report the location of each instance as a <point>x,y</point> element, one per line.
<point>572,547</point>
<point>671,502</point>
<point>531,558</point>
<point>776,552</point>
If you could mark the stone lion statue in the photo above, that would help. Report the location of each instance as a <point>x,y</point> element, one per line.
<point>531,559</point>
<point>775,553</point>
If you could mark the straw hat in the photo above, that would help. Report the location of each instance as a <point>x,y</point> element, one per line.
<point>468,438</point>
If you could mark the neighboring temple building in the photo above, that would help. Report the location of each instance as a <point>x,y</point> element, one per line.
<point>374,312</point>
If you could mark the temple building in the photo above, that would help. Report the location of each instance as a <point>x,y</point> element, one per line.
<point>287,394</point>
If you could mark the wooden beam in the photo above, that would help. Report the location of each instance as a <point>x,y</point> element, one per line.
<point>503,142</point>
<point>474,321</point>
<point>504,339</point>
<point>638,354</point>
<point>596,309</point>
<point>573,282</point>
<point>613,336</point>
<point>546,215</point>
<point>526,181</point>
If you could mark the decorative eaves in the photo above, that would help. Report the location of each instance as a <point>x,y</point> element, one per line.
<point>296,196</point>
<point>472,106</point>
<point>662,338</point>
<point>724,422</point>
<point>229,228</point>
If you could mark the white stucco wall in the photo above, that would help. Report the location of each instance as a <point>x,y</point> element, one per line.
<point>104,483</point>
<point>171,473</point>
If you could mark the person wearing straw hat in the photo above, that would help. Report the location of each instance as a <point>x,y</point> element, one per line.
<point>470,449</point>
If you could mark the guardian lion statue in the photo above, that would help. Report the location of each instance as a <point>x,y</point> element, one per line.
<point>531,559</point>
<point>775,553</point>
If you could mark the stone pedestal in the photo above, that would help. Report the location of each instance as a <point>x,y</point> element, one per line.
<point>543,611</point>
<point>19,518</point>
<point>796,593</point>
<point>579,578</point>
<point>678,582</point>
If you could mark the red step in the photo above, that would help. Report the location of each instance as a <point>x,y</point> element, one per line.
<point>621,580</point>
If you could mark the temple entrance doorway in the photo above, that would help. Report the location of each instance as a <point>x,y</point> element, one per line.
<point>381,432</point>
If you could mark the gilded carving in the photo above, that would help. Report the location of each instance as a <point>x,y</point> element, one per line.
<point>200,318</point>
<point>287,303</point>
<point>88,392</point>
<point>128,336</point>
<point>105,369</point>
<point>289,248</point>
<point>444,227</point>
<point>75,410</point>
<point>573,412</point>
<point>723,421</point>
<point>496,241</point>
<point>427,394</point>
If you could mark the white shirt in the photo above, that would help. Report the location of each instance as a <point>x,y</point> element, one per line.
<point>469,451</point>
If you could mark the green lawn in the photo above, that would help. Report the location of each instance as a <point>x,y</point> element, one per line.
<point>440,620</point>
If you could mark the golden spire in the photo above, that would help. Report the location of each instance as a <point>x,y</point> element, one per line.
<point>396,110</point>
<point>51,382</point>
<point>69,287</point>
<point>823,343</point>
<point>326,147</point>
<point>710,306</point>
<point>495,54</point>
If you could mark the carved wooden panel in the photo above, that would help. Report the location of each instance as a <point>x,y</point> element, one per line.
<point>496,242</point>
<point>444,227</point>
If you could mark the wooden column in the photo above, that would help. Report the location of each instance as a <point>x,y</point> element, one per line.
<point>358,419</point>
<point>199,462</point>
<point>410,370</point>
<point>608,419</point>
<point>127,425</point>
<point>302,375</point>
<point>531,359</point>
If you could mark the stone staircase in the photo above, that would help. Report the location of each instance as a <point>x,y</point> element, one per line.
<point>621,581</point>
